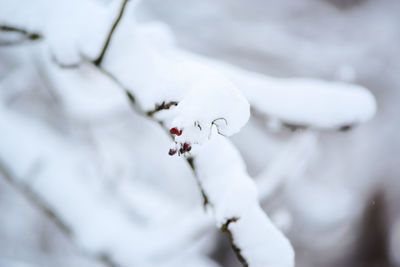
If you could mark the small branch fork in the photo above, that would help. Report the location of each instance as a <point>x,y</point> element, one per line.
<point>149,114</point>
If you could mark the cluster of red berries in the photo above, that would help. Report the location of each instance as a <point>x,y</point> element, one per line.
<point>185,147</point>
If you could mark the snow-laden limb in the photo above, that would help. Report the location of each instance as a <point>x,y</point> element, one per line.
<point>64,175</point>
<point>234,201</point>
<point>195,96</point>
<point>302,102</point>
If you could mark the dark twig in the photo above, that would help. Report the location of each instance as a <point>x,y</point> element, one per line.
<point>32,36</point>
<point>98,61</point>
<point>161,106</point>
<point>236,249</point>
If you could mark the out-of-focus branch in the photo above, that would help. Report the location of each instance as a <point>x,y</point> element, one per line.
<point>29,194</point>
<point>26,35</point>
<point>98,61</point>
<point>44,207</point>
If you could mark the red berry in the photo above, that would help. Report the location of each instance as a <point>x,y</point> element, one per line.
<point>172,152</point>
<point>179,133</point>
<point>174,131</point>
<point>187,147</point>
<point>181,150</point>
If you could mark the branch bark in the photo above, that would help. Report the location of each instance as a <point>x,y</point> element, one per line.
<point>27,36</point>
<point>98,61</point>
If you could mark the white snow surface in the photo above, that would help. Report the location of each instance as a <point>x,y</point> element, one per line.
<point>233,194</point>
<point>301,101</point>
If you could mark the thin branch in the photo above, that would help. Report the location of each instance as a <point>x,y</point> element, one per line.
<point>236,249</point>
<point>31,196</point>
<point>162,106</point>
<point>31,36</point>
<point>206,202</point>
<point>213,123</point>
<point>98,61</point>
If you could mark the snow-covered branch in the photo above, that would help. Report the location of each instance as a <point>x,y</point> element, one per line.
<point>186,106</point>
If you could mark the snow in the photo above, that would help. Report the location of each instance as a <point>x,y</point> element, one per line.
<point>114,185</point>
<point>100,222</point>
<point>301,101</point>
<point>206,98</point>
<point>211,102</point>
<point>233,194</point>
